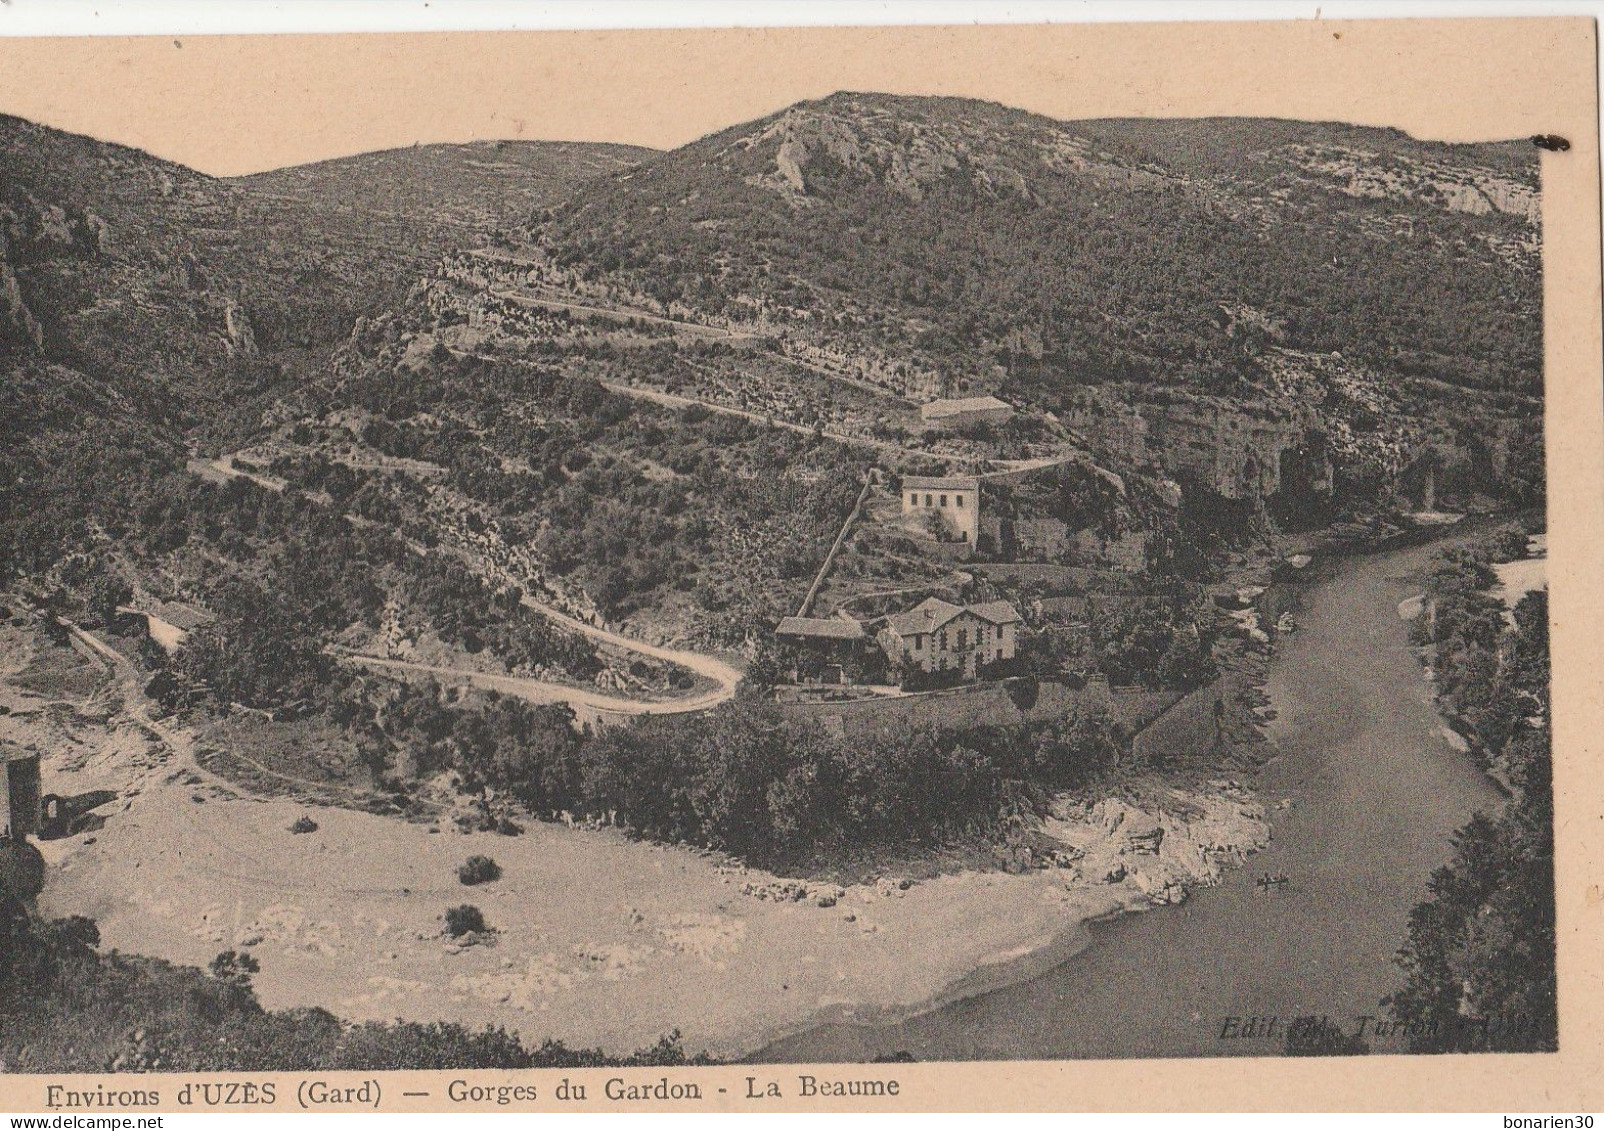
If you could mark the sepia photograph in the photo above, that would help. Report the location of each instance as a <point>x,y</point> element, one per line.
<point>509,563</point>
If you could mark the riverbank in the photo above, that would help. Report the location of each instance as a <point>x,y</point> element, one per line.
<point>1366,795</point>
<point>598,939</point>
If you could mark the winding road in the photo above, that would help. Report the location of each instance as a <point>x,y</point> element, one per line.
<point>588,705</point>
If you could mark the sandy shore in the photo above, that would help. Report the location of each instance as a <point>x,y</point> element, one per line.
<point>598,939</point>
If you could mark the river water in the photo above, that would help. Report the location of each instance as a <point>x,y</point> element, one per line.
<point>1376,791</point>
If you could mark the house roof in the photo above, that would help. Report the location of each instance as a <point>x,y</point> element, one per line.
<point>927,616</point>
<point>957,406</point>
<point>997,612</point>
<point>940,482</point>
<point>931,613</point>
<point>830,628</point>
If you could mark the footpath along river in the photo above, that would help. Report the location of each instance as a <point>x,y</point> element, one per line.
<point>1376,792</point>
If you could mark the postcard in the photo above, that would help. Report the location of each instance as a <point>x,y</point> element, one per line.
<point>994,567</point>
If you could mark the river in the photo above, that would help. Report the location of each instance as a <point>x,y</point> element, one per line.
<point>1376,792</point>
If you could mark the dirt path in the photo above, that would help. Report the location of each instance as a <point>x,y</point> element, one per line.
<point>123,672</point>
<point>724,675</point>
<point>672,400</point>
<point>223,469</point>
<point>178,740</point>
<point>582,699</point>
<point>626,315</point>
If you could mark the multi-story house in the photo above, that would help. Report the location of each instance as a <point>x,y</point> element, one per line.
<point>937,636</point>
<point>953,500</point>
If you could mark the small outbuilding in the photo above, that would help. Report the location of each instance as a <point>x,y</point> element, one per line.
<point>826,649</point>
<point>169,623</point>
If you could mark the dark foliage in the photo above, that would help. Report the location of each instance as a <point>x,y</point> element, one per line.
<point>1480,958</point>
<point>478,870</point>
<point>747,779</point>
<point>1117,265</point>
<point>464,919</point>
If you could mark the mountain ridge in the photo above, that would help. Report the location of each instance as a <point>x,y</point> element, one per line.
<point>969,239</point>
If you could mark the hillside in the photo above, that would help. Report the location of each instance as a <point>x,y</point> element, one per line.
<point>153,317</point>
<point>145,307</point>
<point>460,404</point>
<point>475,187</point>
<point>979,245</point>
<point>1317,316</point>
<point>530,492</point>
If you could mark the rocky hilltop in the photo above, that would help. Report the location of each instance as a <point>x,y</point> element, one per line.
<point>1254,317</point>
<point>1020,252</point>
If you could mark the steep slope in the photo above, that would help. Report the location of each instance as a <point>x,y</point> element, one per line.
<point>1257,307</point>
<point>113,330</point>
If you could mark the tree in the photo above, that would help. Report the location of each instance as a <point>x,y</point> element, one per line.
<point>1479,960</point>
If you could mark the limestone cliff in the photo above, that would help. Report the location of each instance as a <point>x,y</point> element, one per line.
<point>1453,188</point>
<point>1241,452</point>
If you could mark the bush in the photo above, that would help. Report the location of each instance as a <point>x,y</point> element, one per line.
<point>479,870</point>
<point>464,919</point>
<point>304,825</point>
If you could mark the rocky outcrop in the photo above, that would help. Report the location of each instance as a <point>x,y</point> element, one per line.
<point>788,162</point>
<point>1479,192</point>
<point>1162,847</point>
<point>100,232</point>
<point>905,156</point>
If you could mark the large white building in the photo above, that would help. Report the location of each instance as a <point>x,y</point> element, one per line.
<point>953,500</point>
